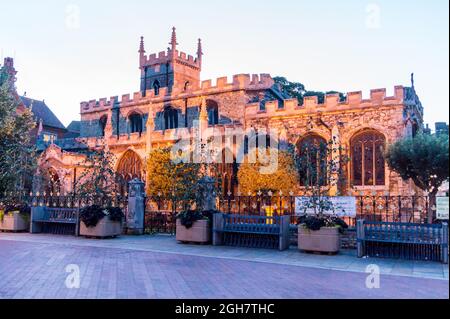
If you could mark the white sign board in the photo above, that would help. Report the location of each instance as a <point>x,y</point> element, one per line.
<point>442,208</point>
<point>344,206</point>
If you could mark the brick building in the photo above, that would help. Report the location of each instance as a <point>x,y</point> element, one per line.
<point>172,96</point>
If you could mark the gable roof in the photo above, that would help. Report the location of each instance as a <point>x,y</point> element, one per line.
<point>42,112</point>
<point>74,126</point>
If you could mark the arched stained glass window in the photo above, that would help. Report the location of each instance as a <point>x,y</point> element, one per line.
<point>368,165</point>
<point>313,160</point>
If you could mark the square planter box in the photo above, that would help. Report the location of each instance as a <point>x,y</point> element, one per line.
<point>326,240</point>
<point>104,228</point>
<point>13,222</point>
<point>200,232</point>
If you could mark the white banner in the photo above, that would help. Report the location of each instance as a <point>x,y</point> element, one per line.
<point>442,208</point>
<point>344,206</point>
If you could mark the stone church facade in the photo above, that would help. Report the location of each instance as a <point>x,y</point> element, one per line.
<point>172,97</point>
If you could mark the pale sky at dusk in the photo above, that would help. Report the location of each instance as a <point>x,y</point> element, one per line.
<point>72,51</point>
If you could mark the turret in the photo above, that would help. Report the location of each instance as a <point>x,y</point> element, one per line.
<point>199,52</point>
<point>169,69</point>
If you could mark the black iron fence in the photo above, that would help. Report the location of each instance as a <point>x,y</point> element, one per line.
<point>160,214</point>
<point>65,200</point>
<point>407,209</point>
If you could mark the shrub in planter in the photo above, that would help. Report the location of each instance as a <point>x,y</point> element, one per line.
<point>15,217</point>
<point>193,226</point>
<point>320,233</point>
<point>315,223</point>
<point>101,222</point>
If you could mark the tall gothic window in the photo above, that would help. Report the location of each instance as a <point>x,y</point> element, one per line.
<point>170,118</point>
<point>313,160</point>
<point>368,164</point>
<point>213,112</point>
<point>102,123</point>
<point>156,87</point>
<point>130,167</point>
<point>135,123</point>
<point>226,174</point>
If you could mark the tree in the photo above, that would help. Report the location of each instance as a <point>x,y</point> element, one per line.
<point>424,159</point>
<point>17,152</point>
<point>173,180</point>
<point>294,89</point>
<point>98,179</point>
<point>284,179</point>
<point>297,90</point>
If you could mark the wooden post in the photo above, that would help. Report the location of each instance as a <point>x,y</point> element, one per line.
<point>360,237</point>
<point>217,229</point>
<point>284,232</point>
<point>444,243</point>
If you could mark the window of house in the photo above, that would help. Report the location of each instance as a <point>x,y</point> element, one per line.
<point>368,165</point>
<point>49,137</point>
<point>313,160</point>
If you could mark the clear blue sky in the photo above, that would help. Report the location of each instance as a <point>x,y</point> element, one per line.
<point>72,51</point>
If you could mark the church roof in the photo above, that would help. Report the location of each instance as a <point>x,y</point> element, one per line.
<point>42,112</point>
<point>73,130</point>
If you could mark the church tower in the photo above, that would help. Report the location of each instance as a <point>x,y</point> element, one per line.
<point>170,69</point>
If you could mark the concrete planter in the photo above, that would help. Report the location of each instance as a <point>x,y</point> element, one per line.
<point>326,240</point>
<point>13,222</point>
<point>200,232</point>
<point>104,228</point>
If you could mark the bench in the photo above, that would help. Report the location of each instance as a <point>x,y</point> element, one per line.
<point>251,231</point>
<point>58,221</point>
<point>403,240</point>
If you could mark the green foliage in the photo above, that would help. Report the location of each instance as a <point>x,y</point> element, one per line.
<point>189,217</point>
<point>171,179</point>
<point>315,223</point>
<point>283,179</point>
<point>17,153</point>
<point>98,179</point>
<point>297,90</point>
<point>423,158</point>
<point>91,215</point>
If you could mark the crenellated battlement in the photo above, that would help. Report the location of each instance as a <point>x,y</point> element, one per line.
<point>165,56</point>
<point>222,84</point>
<point>240,81</point>
<point>331,103</point>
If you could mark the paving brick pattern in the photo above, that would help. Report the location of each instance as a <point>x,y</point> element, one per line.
<point>38,270</point>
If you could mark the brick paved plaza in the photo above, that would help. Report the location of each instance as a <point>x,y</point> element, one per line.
<point>157,267</point>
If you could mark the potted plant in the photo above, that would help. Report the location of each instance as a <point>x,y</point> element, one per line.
<point>193,226</point>
<point>15,218</point>
<point>320,233</point>
<point>101,222</point>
